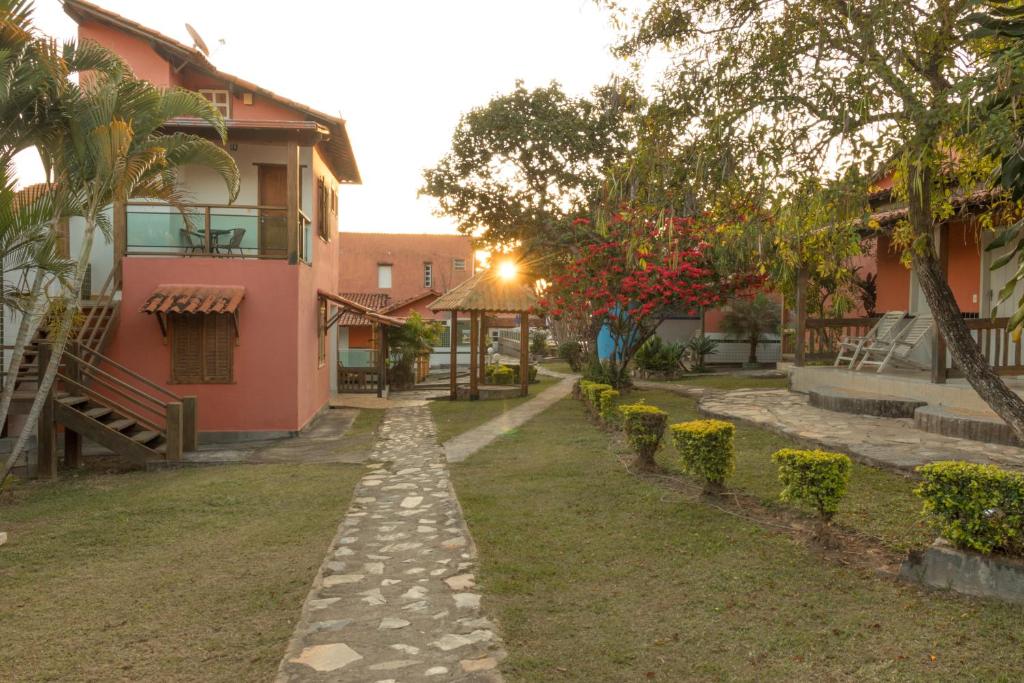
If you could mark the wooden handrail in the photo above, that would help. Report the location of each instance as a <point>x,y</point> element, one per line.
<point>128,412</point>
<point>134,375</point>
<point>247,207</point>
<point>106,378</point>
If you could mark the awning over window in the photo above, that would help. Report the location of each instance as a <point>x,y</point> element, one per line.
<point>351,306</point>
<point>194,299</point>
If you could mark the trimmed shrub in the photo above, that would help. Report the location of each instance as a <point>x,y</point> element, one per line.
<point>706,450</point>
<point>592,390</point>
<point>977,507</point>
<point>606,406</point>
<point>571,353</point>
<point>502,375</point>
<point>645,426</point>
<point>815,478</point>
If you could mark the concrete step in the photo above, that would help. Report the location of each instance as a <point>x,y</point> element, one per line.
<point>862,403</point>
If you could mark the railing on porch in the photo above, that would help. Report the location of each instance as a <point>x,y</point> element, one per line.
<point>222,230</point>
<point>996,344</point>
<point>822,336</point>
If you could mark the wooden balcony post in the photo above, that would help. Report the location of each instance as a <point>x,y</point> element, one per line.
<point>482,343</point>
<point>72,439</point>
<point>801,316</point>
<point>453,342</point>
<point>474,330</point>
<point>120,230</point>
<point>939,370</point>
<point>174,431</point>
<point>46,429</point>
<point>292,212</point>
<point>524,354</point>
<point>190,425</point>
<point>207,235</point>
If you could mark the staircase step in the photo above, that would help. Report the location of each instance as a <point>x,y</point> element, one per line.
<point>121,424</point>
<point>97,413</point>
<point>73,400</point>
<point>145,436</point>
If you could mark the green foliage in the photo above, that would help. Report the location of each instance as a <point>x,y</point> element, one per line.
<point>815,478</point>
<point>978,507</point>
<point>751,319</point>
<point>654,355</point>
<point>607,408</point>
<point>407,343</point>
<point>502,374</point>
<point>700,346</point>
<point>526,163</point>
<point>644,426</point>
<point>590,391</point>
<point>598,371</point>
<point>539,343</point>
<point>572,353</point>
<point>706,450</point>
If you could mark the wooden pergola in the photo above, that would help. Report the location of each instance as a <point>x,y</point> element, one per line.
<point>487,292</point>
<point>379,320</point>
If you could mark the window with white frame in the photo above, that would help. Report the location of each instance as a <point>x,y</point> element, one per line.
<point>221,99</point>
<point>383,276</point>
<point>459,264</point>
<point>428,274</point>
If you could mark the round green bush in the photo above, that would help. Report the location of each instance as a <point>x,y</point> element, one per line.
<point>644,426</point>
<point>815,478</point>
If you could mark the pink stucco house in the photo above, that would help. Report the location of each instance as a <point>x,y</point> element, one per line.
<point>232,306</point>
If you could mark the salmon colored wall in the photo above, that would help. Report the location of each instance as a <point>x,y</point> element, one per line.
<point>893,278</point>
<point>713,316</point>
<point>264,395</point>
<point>360,253</point>
<point>964,273</point>
<point>360,337</point>
<point>142,59</point>
<point>261,109</point>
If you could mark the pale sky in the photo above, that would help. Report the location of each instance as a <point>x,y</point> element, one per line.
<point>400,72</point>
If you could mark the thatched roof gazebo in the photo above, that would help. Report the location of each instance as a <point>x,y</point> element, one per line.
<point>496,290</point>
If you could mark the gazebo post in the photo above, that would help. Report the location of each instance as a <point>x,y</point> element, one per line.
<point>482,369</point>
<point>453,342</point>
<point>474,331</point>
<point>524,353</point>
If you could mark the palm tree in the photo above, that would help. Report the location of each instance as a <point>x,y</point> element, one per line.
<point>35,75</point>
<point>112,149</point>
<point>751,319</point>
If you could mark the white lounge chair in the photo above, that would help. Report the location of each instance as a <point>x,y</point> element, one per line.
<point>897,351</point>
<point>885,330</point>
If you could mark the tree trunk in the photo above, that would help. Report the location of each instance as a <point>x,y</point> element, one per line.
<point>46,379</point>
<point>965,351</point>
<point>752,359</point>
<point>29,323</point>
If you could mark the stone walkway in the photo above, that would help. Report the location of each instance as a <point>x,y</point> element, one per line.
<point>888,442</point>
<point>394,600</point>
<point>466,444</point>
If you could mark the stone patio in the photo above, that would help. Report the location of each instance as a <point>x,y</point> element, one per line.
<point>887,442</point>
<point>394,599</point>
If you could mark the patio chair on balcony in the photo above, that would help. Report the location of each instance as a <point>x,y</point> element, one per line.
<point>235,243</point>
<point>885,330</point>
<point>897,351</point>
<point>191,242</point>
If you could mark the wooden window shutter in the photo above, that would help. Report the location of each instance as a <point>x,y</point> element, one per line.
<point>218,347</point>
<point>186,349</point>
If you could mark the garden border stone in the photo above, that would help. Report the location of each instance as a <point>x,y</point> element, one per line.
<point>989,576</point>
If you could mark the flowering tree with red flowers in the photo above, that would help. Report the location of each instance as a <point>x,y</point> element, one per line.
<point>633,273</point>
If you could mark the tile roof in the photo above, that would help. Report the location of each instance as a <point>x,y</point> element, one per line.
<point>194,299</point>
<point>353,304</point>
<point>485,291</point>
<point>377,302</point>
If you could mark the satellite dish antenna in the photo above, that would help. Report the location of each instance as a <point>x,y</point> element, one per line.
<point>197,40</point>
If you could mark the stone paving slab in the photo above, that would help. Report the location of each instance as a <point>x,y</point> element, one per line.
<point>395,599</point>
<point>887,442</point>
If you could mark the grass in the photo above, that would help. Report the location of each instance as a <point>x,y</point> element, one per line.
<point>189,574</point>
<point>598,576</point>
<point>878,502</point>
<point>727,382</point>
<point>557,366</point>
<point>455,417</point>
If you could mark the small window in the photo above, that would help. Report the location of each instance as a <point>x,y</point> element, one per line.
<point>221,99</point>
<point>202,348</point>
<point>459,264</point>
<point>323,210</point>
<point>384,276</point>
<point>428,275</point>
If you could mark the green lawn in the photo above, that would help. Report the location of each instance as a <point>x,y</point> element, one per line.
<point>455,417</point>
<point>194,574</point>
<point>878,503</point>
<point>595,575</point>
<point>557,366</point>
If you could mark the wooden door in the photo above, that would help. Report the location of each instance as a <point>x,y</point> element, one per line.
<point>273,191</point>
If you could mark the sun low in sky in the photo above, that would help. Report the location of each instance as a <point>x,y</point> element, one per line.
<point>400,72</point>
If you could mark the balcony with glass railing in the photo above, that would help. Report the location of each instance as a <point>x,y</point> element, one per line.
<point>218,230</point>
